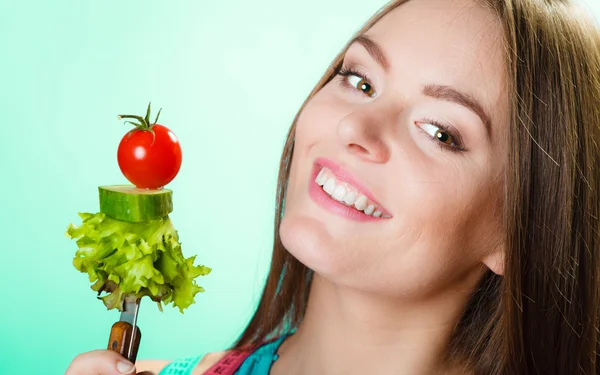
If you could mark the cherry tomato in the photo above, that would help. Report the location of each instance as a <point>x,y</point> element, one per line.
<point>150,155</point>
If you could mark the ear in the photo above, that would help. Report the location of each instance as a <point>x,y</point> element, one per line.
<point>495,260</point>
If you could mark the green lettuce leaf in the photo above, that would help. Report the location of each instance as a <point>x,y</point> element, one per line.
<point>141,259</point>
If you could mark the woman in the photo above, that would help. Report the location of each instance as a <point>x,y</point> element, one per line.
<point>442,198</point>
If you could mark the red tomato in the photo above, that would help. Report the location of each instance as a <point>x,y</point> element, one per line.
<point>147,161</point>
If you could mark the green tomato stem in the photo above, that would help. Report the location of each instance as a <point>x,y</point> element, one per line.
<point>144,124</point>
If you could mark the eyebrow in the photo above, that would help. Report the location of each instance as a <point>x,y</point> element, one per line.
<point>442,92</point>
<point>374,50</point>
<point>450,94</point>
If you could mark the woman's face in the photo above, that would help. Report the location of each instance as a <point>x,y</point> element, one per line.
<point>416,124</point>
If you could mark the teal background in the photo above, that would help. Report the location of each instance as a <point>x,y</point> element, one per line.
<point>229,77</point>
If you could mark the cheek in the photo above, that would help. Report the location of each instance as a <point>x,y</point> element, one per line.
<point>318,120</point>
<point>316,125</point>
<point>443,226</point>
<point>434,244</point>
<point>456,221</point>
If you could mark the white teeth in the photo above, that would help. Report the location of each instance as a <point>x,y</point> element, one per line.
<point>339,193</point>
<point>344,194</point>
<point>361,203</point>
<point>350,198</point>
<point>320,180</point>
<point>329,186</point>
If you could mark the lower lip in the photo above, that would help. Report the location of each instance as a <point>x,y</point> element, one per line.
<point>323,200</point>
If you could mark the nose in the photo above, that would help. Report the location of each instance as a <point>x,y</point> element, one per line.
<point>365,132</point>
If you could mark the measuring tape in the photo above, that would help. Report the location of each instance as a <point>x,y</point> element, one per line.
<point>232,361</point>
<point>229,364</point>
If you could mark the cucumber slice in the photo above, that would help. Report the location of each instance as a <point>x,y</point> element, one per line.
<point>128,203</point>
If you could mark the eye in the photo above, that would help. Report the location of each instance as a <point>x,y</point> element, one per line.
<point>442,135</point>
<point>355,80</point>
<point>361,84</point>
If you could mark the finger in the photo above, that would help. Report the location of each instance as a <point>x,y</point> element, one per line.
<point>100,362</point>
<point>146,373</point>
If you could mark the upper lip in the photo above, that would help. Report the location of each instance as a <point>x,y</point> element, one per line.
<point>342,174</point>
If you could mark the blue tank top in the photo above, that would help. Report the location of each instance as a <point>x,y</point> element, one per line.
<point>258,363</point>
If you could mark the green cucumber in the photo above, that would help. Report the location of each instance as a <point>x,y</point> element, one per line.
<point>128,203</point>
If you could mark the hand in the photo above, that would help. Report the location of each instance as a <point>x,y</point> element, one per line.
<point>102,362</point>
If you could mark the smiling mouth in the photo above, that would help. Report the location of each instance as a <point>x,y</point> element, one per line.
<point>348,195</point>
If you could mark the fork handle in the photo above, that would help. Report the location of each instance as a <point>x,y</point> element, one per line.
<point>120,340</point>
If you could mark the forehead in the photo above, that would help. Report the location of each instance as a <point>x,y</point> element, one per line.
<point>449,42</point>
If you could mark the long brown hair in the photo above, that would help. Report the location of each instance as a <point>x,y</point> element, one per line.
<point>542,316</point>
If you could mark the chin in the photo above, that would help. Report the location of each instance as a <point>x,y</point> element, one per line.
<point>309,241</point>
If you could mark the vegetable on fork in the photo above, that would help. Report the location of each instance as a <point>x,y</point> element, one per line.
<point>130,248</point>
